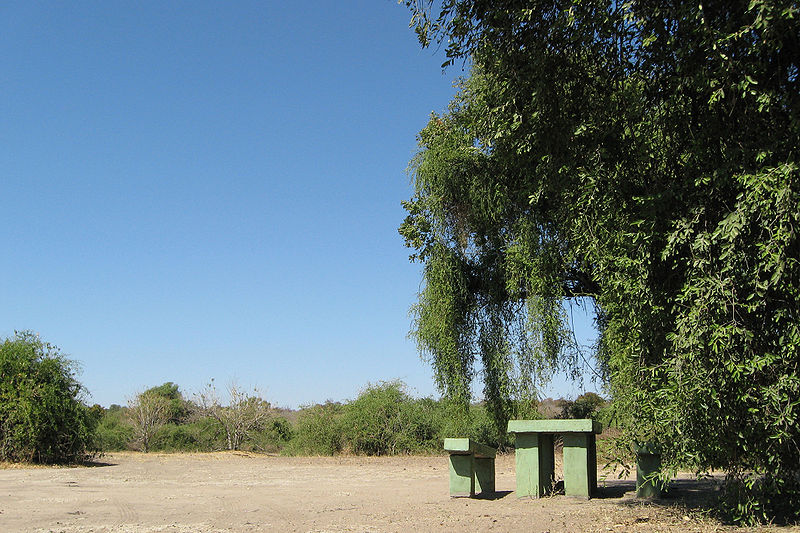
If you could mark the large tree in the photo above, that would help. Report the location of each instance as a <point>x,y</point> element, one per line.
<point>641,154</point>
<point>42,416</point>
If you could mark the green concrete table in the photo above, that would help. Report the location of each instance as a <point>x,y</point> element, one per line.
<point>471,467</point>
<point>535,463</point>
<point>648,466</point>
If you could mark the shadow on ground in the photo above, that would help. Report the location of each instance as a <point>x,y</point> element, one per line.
<point>493,495</point>
<point>96,464</point>
<point>691,494</point>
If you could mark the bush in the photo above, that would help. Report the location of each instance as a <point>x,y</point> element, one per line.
<point>272,438</point>
<point>318,431</point>
<point>373,422</point>
<point>585,406</point>
<point>385,420</point>
<point>114,432</point>
<point>422,422</point>
<point>41,416</point>
<point>201,435</point>
<point>179,409</point>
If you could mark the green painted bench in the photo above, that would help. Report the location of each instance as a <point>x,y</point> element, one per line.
<point>471,467</point>
<point>535,462</point>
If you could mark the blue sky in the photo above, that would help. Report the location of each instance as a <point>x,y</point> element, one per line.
<point>197,190</point>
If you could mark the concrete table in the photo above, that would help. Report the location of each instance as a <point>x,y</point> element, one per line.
<point>471,467</point>
<point>648,466</point>
<point>535,463</point>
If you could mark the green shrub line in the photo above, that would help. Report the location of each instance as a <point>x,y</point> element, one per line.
<point>385,419</point>
<point>43,418</point>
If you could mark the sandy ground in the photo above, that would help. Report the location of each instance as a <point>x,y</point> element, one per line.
<point>225,492</point>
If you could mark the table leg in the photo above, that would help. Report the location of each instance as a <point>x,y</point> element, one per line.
<point>535,464</point>
<point>580,464</point>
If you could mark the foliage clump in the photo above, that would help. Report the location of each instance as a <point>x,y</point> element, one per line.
<point>318,430</point>
<point>42,417</point>
<point>385,420</point>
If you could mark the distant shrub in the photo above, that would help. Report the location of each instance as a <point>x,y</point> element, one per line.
<point>372,422</point>
<point>476,424</point>
<point>318,431</point>
<point>585,406</point>
<point>482,428</point>
<point>179,410</point>
<point>272,438</point>
<point>385,420</point>
<point>200,435</point>
<point>114,432</point>
<point>42,418</point>
<point>246,414</point>
<point>422,427</point>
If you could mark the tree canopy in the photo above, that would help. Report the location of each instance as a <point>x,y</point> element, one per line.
<point>42,418</point>
<point>643,155</point>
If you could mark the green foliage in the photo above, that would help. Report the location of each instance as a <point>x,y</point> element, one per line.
<point>147,412</point>
<point>245,414</point>
<point>385,420</point>
<point>180,410</point>
<point>642,154</point>
<point>586,405</point>
<point>273,437</point>
<point>114,432</point>
<point>201,435</point>
<point>318,431</point>
<point>41,416</point>
<point>478,424</point>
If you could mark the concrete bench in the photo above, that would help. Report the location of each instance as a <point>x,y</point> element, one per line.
<point>535,462</point>
<point>471,467</point>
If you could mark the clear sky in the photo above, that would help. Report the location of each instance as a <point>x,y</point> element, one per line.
<point>197,190</point>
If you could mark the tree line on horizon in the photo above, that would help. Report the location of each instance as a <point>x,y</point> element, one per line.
<point>43,418</point>
<point>383,420</point>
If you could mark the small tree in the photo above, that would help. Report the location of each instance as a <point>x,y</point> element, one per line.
<point>42,418</point>
<point>180,409</point>
<point>585,406</point>
<point>148,411</point>
<point>244,414</point>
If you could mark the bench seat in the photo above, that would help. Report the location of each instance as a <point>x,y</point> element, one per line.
<point>471,467</point>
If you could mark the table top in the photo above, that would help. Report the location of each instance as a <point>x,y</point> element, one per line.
<point>580,425</point>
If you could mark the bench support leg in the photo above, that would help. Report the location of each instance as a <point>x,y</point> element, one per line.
<point>462,476</point>
<point>580,464</point>
<point>484,475</point>
<point>535,464</point>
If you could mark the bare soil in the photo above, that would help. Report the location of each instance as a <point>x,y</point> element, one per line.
<point>224,492</point>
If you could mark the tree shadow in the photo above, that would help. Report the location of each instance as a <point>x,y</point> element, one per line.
<point>691,494</point>
<point>694,494</point>
<point>615,488</point>
<point>96,463</point>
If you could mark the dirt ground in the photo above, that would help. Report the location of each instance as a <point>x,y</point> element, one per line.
<point>224,492</point>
